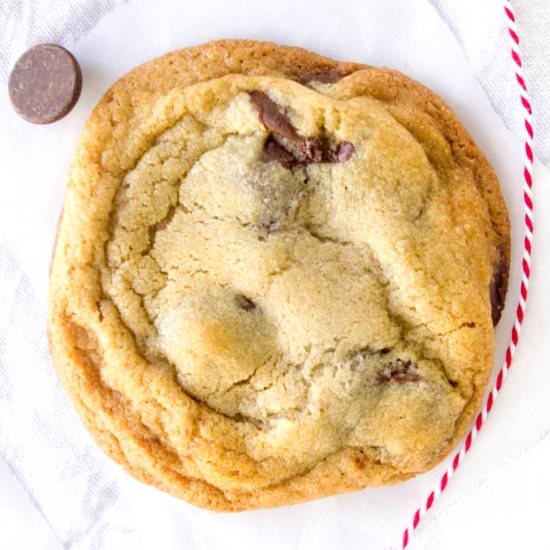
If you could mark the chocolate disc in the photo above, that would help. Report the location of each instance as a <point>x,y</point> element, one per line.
<point>45,83</point>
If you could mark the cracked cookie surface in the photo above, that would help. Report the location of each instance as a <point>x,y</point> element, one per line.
<point>276,275</point>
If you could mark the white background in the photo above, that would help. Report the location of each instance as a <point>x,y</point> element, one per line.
<point>57,490</point>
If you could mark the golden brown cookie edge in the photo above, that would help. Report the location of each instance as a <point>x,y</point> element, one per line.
<point>348,469</point>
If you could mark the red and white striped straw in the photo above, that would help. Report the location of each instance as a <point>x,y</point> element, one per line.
<point>525,275</point>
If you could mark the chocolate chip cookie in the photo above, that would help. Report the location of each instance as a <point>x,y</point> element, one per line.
<point>276,276</point>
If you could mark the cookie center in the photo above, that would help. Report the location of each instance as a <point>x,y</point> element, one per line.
<point>246,253</point>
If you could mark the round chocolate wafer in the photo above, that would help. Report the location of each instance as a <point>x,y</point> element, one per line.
<point>45,83</point>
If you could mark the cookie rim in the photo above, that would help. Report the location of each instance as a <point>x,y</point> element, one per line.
<point>299,487</point>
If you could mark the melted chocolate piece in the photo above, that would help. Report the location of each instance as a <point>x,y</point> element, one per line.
<point>274,119</point>
<point>328,76</point>
<point>342,152</point>
<point>273,150</point>
<point>305,150</point>
<point>314,149</point>
<point>497,291</point>
<point>398,371</point>
<point>45,83</point>
<point>244,302</point>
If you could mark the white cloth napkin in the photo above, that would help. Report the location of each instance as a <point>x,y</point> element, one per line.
<point>82,499</point>
<point>29,22</point>
<point>478,28</point>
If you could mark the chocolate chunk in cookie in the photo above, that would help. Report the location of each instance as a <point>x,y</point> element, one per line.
<point>273,118</point>
<point>398,371</point>
<point>497,291</point>
<point>328,76</point>
<point>273,150</point>
<point>341,152</point>
<point>301,150</point>
<point>244,302</point>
